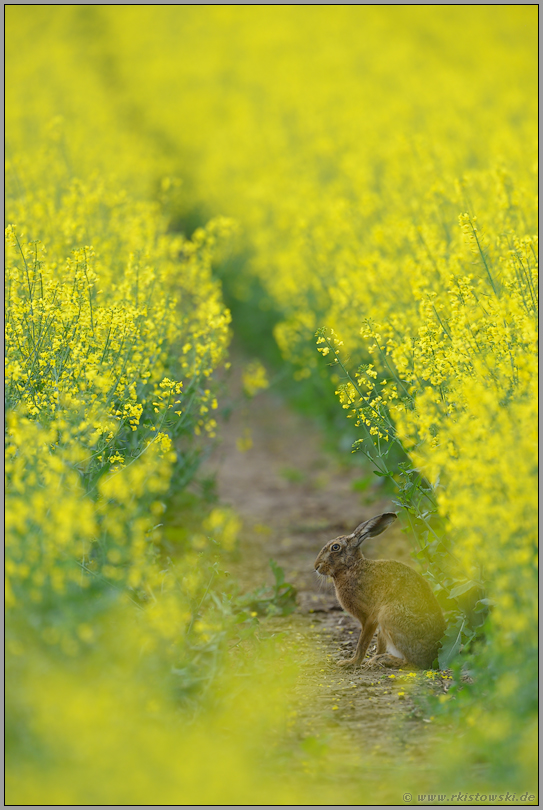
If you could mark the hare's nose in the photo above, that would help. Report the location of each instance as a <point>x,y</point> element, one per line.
<point>317,568</point>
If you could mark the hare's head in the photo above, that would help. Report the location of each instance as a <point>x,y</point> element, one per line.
<point>343,552</point>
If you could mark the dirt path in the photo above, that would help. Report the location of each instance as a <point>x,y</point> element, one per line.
<point>293,497</point>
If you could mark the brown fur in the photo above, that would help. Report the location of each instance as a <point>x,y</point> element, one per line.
<point>383,595</point>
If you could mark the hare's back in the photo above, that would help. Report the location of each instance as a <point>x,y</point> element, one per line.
<point>399,583</point>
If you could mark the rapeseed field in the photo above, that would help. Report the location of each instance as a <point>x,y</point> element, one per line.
<point>368,174</point>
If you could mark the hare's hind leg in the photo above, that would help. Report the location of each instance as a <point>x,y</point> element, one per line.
<point>363,643</point>
<point>380,649</point>
<point>386,654</point>
<point>381,644</point>
<point>386,660</point>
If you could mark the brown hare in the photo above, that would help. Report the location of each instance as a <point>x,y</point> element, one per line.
<point>383,595</point>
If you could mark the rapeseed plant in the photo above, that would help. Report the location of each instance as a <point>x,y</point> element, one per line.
<point>110,353</point>
<point>382,164</point>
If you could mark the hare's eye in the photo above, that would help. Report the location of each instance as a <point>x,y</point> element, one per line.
<point>336,547</point>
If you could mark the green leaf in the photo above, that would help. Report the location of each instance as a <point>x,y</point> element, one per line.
<point>483,605</point>
<point>460,589</point>
<point>450,645</point>
<point>278,573</point>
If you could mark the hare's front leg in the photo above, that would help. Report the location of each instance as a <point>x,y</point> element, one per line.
<point>363,643</point>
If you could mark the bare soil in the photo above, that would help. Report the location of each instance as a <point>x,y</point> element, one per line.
<point>294,496</point>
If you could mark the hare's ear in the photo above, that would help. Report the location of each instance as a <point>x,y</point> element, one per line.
<point>372,527</point>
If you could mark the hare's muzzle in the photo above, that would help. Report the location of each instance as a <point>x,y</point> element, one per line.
<point>318,568</point>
